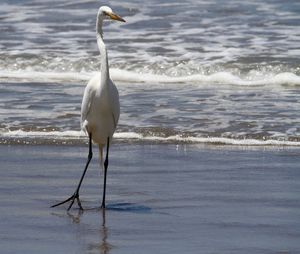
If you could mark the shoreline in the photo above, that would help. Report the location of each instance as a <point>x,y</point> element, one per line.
<point>138,139</point>
<point>161,198</point>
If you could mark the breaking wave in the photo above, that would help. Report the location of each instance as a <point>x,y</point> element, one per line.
<point>285,78</point>
<point>68,137</point>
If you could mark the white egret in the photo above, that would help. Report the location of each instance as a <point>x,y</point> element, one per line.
<point>100,109</point>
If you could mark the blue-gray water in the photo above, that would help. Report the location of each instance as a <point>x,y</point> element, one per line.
<point>192,71</point>
<point>160,199</point>
<point>219,72</point>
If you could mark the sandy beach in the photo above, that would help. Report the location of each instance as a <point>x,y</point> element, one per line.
<point>160,199</point>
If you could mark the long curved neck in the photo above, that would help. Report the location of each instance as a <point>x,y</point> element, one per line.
<point>102,48</point>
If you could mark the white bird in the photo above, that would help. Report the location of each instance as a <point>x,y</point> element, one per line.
<point>100,109</point>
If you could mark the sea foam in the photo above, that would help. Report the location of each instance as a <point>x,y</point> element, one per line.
<point>133,136</point>
<point>129,76</point>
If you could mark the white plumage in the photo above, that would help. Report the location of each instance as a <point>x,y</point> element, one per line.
<point>100,109</point>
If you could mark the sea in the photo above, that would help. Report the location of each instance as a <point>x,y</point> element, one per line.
<point>223,72</point>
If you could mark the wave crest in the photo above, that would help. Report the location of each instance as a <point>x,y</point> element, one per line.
<point>286,78</point>
<point>62,137</point>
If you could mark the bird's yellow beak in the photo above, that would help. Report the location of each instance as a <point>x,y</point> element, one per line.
<point>115,17</point>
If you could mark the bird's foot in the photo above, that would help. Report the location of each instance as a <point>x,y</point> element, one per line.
<point>72,199</point>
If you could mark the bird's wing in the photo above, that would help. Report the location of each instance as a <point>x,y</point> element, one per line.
<point>86,104</point>
<point>115,104</point>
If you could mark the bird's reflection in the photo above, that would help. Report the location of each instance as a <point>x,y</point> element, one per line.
<point>75,217</point>
<point>104,246</point>
<point>101,245</point>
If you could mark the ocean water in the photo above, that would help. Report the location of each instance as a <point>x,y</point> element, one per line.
<point>225,72</point>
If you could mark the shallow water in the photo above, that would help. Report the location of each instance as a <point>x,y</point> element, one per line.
<point>160,198</point>
<point>189,111</point>
<point>197,71</point>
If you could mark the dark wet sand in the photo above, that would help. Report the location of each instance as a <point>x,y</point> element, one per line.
<point>160,198</point>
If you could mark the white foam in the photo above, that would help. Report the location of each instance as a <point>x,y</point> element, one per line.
<point>129,76</point>
<point>208,140</point>
<point>43,134</point>
<point>139,137</point>
<point>37,76</point>
<point>220,78</point>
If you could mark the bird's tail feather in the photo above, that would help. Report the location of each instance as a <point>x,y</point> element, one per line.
<point>101,157</point>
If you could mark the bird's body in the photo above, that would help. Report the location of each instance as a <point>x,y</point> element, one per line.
<point>100,109</point>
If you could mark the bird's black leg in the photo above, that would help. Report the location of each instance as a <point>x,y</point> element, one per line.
<point>105,173</point>
<point>76,193</point>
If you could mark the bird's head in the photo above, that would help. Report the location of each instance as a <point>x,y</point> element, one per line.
<point>106,13</point>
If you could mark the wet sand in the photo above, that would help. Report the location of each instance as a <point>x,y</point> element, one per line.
<point>160,199</point>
